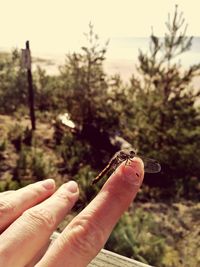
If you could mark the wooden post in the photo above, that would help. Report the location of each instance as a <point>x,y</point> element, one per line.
<point>30,88</point>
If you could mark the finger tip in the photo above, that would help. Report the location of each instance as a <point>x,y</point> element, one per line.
<point>133,172</point>
<point>49,184</point>
<point>72,186</point>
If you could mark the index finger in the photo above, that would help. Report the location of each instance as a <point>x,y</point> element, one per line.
<point>83,238</point>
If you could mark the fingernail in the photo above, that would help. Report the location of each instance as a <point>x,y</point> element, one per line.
<point>71,186</point>
<point>48,184</point>
<point>133,173</point>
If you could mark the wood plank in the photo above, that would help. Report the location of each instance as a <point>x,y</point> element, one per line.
<point>110,259</point>
<point>107,258</point>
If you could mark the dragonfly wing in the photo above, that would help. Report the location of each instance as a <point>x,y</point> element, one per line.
<point>151,165</point>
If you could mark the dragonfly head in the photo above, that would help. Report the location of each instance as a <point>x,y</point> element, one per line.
<point>126,154</point>
<point>123,155</point>
<point>132,153</point>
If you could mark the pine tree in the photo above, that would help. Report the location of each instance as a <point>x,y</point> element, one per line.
<point>13,84</point>
<point>167,122</point>
<point>93,100</point>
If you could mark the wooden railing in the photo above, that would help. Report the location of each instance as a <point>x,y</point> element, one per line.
<point>109,259</point>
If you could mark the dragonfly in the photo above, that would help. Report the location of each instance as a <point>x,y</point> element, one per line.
<point>150,165</point>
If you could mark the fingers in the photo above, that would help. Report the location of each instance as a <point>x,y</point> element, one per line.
<point>31,231</point>
<point>82,239</point>
<point>14,203</point>
<point>6,193</point>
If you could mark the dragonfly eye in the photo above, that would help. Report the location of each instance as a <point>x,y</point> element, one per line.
<point>132,153</point>
<point>123,155</point>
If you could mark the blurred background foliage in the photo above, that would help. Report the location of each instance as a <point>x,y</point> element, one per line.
<point>157,112</point>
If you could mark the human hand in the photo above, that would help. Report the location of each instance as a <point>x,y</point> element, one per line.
<point>29,216</point>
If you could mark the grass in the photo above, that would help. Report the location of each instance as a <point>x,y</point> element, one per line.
<point>161,234</point>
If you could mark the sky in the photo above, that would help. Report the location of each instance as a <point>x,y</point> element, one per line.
<point>57,26</point>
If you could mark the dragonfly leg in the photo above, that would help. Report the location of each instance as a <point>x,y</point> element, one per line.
<point>129,164</point>
<point>126,162</point>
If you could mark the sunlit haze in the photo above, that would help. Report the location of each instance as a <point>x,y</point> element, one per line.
<point>58,26</point>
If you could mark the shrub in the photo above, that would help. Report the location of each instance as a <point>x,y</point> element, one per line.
<point>3,145</point>
<point>74,153</point>
<point>84,179</point>
<point>135,236</point>
<point>15,135</point>
<point>41,166</point>
<point>32,164</point>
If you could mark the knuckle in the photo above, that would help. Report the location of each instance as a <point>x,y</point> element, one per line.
<point>35,191</point>
<point>40,217</point>
<point>66,197</point>
<point>5,257</point>
<point>87,235</point>
<point>119,194</point>
<point>6,207</point>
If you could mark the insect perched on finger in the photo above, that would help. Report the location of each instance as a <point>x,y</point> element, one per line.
<point>150,165</point>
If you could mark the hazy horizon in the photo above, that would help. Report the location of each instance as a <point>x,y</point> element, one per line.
<point>58,26</point>
<point>121,56</point>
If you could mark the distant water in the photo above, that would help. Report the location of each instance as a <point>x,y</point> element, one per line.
<point>127,48</point>
<point>122,55</point>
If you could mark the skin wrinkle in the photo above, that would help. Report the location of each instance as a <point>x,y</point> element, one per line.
<point>40,217</point>
<point>6,207</point>
<point>21,200</point>
<point>7,192</point>
<point>82,239</point>
<point>109,192</point>
<point>84,233</point>
<point>97,220</point>
<point>85,228</point>
<point>41,222</point>
<point>69,197</point>
<point>35,193</point>
<point>9,246</point>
